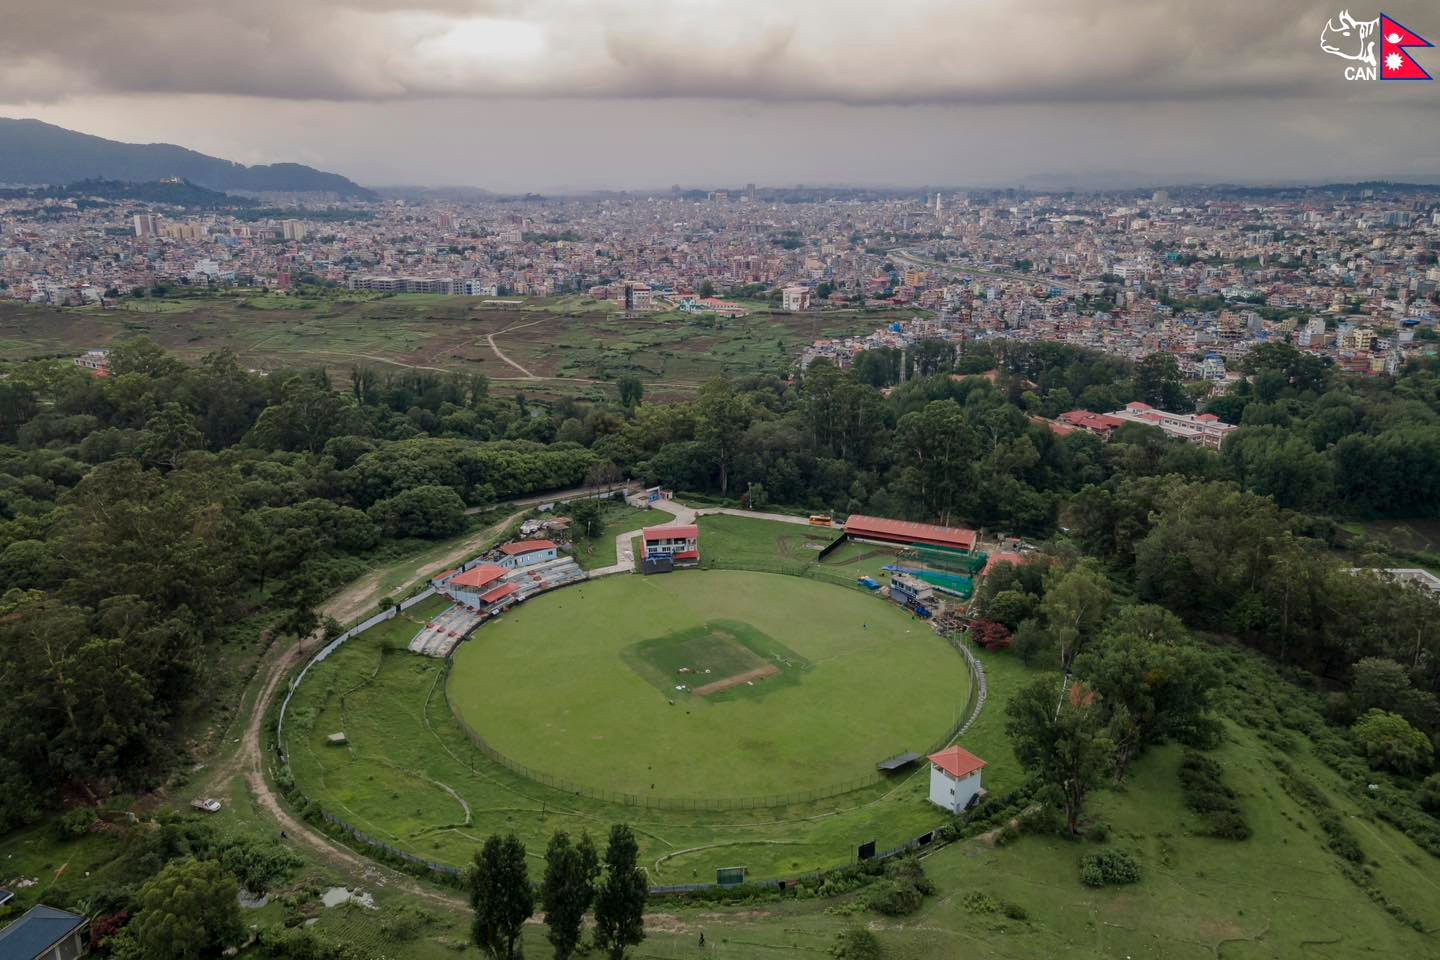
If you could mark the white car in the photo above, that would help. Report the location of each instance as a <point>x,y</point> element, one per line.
<point>207,804</point>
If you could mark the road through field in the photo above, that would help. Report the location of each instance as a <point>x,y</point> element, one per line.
<point>249,760</point>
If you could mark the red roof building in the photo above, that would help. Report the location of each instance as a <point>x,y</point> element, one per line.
<point>477,579</point>
<point>679,542</point>
<point>955,779</point>
<point>906,533</point>
<point>499,593</point>
<point>526,546</point>
<point>1014,559</point>
<point>1100,424</point>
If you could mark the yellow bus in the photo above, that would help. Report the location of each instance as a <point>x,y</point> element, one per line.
<point>821,520</point>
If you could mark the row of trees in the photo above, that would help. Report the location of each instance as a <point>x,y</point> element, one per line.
<point>574,884</point>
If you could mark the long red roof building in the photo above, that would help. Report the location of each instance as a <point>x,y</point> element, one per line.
<point>909,534</point>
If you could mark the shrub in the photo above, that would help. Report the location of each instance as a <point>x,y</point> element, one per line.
<point>977,901</point>
<point>1428,795</point>
<point>990,635</point>
<point>857,943</point>
<point>74,823</point>
<point>894,899</point>
<point>1390,743</point>
<point>1204,791</point>
<point>903,890</point>
<point>1108,868</point>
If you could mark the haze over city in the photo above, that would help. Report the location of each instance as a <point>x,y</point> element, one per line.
<point>640,94</point>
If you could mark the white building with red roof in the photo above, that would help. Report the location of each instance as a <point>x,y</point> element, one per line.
<point>678,542</point>
<point>955,778</point>
<point>1205,430</point>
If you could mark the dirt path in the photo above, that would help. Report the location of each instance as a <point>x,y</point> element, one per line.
<point>490,339</point>
<point>249,760</point>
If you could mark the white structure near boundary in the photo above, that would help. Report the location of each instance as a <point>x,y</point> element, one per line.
<point>954,778</point>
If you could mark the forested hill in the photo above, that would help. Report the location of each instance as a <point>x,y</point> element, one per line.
<point>150,517</point>
<point>32,152</point>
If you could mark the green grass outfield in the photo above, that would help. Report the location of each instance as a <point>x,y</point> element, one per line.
<point>552,685</point>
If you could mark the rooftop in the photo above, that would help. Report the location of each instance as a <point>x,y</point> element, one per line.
<point>477,577</point>
<point>957,538</point>
<point>526,546</point>
<point>957,762</point>
<point>678,531</point>
<point>37,930</point>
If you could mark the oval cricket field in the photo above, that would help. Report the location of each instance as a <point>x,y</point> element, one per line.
<point>707,685</point>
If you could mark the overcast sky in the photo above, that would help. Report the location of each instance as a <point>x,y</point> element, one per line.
<point>553,94</point>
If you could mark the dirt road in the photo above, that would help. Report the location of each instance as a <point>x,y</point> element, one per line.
<point>249,760</point>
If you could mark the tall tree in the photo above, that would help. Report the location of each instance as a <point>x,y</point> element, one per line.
<point>1058,736</point>
<point>1157,380</point>
<point>501,896</point>
<point>191,909</point>
<point>571,870</point>
<point>723,416</point>
<point>620,901</point>
<point>632,391</point>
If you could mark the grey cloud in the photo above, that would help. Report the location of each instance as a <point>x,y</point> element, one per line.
<point>839,51</point>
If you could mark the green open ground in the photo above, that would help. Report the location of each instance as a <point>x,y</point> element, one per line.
<point>563,346</point>
<point>550,685</point>
<point>714,654</point>
<point>734,542</point>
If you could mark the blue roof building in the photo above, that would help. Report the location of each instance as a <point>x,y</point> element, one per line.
<point>44,933</point>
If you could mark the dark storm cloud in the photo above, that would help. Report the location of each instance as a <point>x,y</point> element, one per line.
<point>841,51</point>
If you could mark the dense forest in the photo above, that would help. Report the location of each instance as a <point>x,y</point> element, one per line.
<point>151,517</point>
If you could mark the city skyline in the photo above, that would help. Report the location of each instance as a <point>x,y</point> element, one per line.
<point>555,96</point>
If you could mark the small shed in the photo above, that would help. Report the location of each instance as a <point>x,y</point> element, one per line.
<point>955,778</point>
<point>898,762</point>
<point>337,739</point>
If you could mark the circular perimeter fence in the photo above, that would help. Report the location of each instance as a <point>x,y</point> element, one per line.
<point>973,704</point>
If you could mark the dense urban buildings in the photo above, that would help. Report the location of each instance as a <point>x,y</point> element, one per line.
<point>1348,273</point>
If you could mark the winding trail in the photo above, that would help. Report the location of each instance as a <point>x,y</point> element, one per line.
<point>490,339</point>
<point>250,761</point>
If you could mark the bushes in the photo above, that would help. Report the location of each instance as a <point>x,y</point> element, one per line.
<point>1428,795</point>
<point>75,823</point>
<point>857,943</point>
<point>989,635</point>
<point>978,901</point>
<point>1391,743</point>
<point>903,890</point>
<point>1204,792</point>
<point>1109,868</point>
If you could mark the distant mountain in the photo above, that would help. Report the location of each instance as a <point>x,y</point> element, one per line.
<point>32,152</point>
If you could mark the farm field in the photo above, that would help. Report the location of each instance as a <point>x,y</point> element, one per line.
<point>572,685</point>
<point>547,346</point>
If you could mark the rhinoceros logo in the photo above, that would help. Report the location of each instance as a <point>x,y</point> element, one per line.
<point>1350,39</point>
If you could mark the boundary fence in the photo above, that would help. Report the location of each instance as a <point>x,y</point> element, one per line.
<point>381,845</point>
<point>975,703</point>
